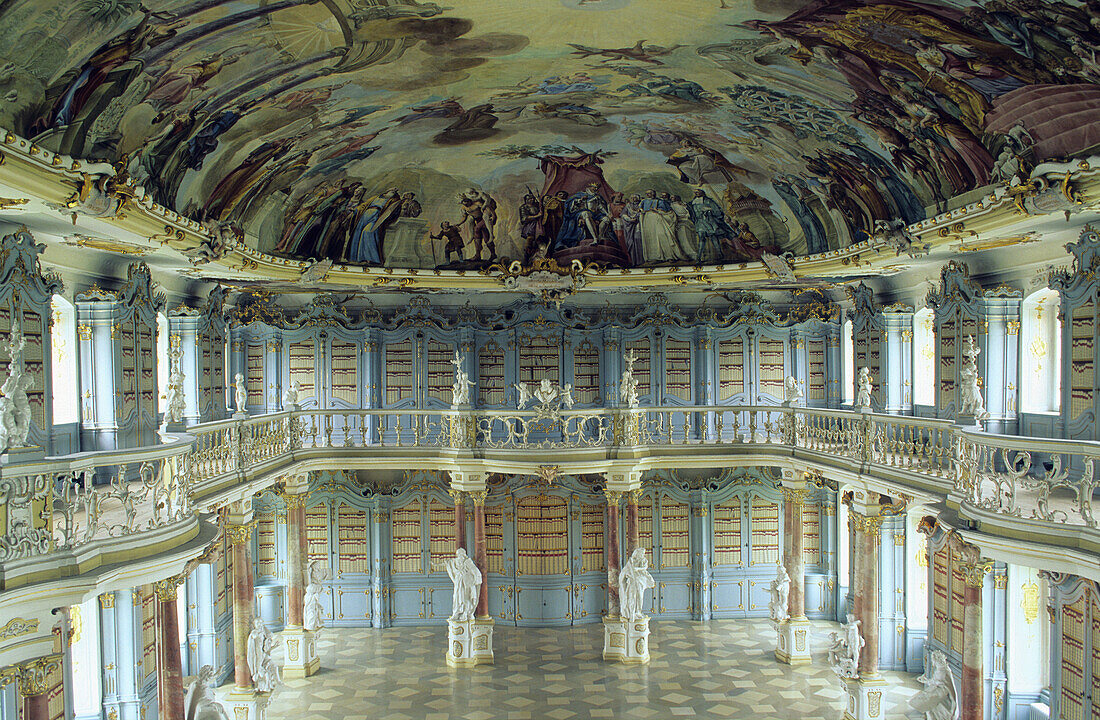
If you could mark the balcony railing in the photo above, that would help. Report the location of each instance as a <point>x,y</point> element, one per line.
<point>118,501</point>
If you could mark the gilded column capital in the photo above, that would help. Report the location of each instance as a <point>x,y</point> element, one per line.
<point>866,524</point>
<point>633,496</point>
<point>613,496</point>
<point>458,496</point>
<point>974,572</point>
<point>165,589</point>
<point>34,675</point>
<point>240,534</point>
<point>294,501</point>
<point>107,600</point>
<point>797,496</point>
<point>478,497</point>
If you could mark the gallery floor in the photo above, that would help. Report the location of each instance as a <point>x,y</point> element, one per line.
<point>717,669</point>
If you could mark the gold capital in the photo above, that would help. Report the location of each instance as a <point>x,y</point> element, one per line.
<point>458,496</point>
<point>613,496</point>
<point>974,573</point>
<point>479,497</point>
<point>34,675</point>
<point>240,534</point>
<point>295,500</point>
<point>166,589</point>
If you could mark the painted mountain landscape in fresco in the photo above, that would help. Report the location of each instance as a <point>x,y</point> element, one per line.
<point>416,134</point>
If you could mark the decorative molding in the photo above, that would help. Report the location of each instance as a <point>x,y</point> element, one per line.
<point>18,626</point>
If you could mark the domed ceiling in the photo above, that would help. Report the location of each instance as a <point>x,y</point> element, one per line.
<point>623,132</point>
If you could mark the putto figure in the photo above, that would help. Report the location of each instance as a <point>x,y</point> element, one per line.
<point>865,386</point>
<point>240,392</point>
<point>634,580</point>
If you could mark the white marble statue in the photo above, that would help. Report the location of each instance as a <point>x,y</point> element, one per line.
<point>792,393</point>
<point>175,403</point>
<point>566,395</point>
<point>241,392</point>
<point>265,673</point>
<point>313,618</point>
<point>634,580</point>
<point>844,651</point>
<point>460,392</point>
<point>865,385</point>
<point>970,392</point>
<point>780,590</point>
<point>628,384</point>
<point>290,395</point>
<point>467,584</point>
<point>15,407</point>
<point>546,392</point>
<point>939,700</point>
<point>199,703</point>
<point>523,394</point>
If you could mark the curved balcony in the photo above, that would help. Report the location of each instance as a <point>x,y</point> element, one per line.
<point>66,516</point>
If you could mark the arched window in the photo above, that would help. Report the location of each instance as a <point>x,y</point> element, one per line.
<point>848,361</point>
<point>1040,353</point>
<point>924,357</point>
<point>163,368</point>
<point>63,363</point>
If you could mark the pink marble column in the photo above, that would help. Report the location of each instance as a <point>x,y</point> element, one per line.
<point>632,520</point>
<point>971,701</point>
<point>611,552</point>
<point>241,538</point>
<point>855,555</point>
<point>460,519</point>
<point>869,538</point>
<point>793,558</point>
<point>169,662</point>
<point>481,555</point>
<point>295,559</point>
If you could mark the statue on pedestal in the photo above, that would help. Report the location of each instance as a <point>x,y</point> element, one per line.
<point>939,700</point>
<point>844,651</point>
<point>634,580</point>
<point>15,407</point>
<point>312,611</point>
<point>467,584</point>
<point>240,392</point>
<point>970,392</point>
<point>865,386</point>
<point>780,590</point>
<point>200,703</point>
<point>265,673</point>
<point>290,395</point>
<point>460,393</point>
<point>628,385</point>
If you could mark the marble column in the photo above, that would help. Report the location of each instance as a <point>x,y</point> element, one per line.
<point>866,693</point>
<point>632,520</point>
<point>481,555</point>
<point>241,538</point>
<point>793,644</point>
<point>169,661</point>
<point>611,552</point>
<point>870,538</point>
<point>460,519</point>
<point>33,686</point>
<point>295,558</point>
<point>971,700</point>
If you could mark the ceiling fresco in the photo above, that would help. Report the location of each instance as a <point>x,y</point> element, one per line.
<point>623,132</point>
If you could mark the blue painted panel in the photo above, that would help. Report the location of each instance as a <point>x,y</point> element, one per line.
<point>590,596</point>
<point>727,597</point>
<point>408,605</point>
<point>674,597</point>
<point>439,602</point>
<point>269,600</point>
<point>353,605</point>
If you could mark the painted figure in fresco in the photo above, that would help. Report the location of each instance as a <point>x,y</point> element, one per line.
<point>587,220</point>
<point>479,212</point>
<point>686,238</point>
<point>745,244</point>
<point>630,219</point>
<point>367,240</point>
<point>809,222</point>
<point>659,229</point>
<point>234,185</point>
<point>174,86</point>
<point>553,214</point>
<point>530,226</point>
<point>710,227</point>
<point>454,244</point>
<point>699,165</point>
<point>410,207</point>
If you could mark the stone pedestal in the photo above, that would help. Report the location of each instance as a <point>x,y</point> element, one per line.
<point>173,428</point>
<point>626,641</point>
<point>240,415</point>
<point>243,705</point>
<point>299,653</point>
<point>866,698</point>
<point>25,454</point>
<point>470,642</point>
<point>793,641</point>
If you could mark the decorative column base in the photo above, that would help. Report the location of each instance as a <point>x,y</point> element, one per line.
<point>626,641</point>
<point>793,641</point>
<point>299,653</point>
<point>243,704</point>
<point>866,698</point>
<point>470,642</point>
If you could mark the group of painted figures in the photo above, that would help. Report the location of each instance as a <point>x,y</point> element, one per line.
<point>657,227</point>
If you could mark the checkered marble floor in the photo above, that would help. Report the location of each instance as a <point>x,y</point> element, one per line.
<point>716,669</point>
